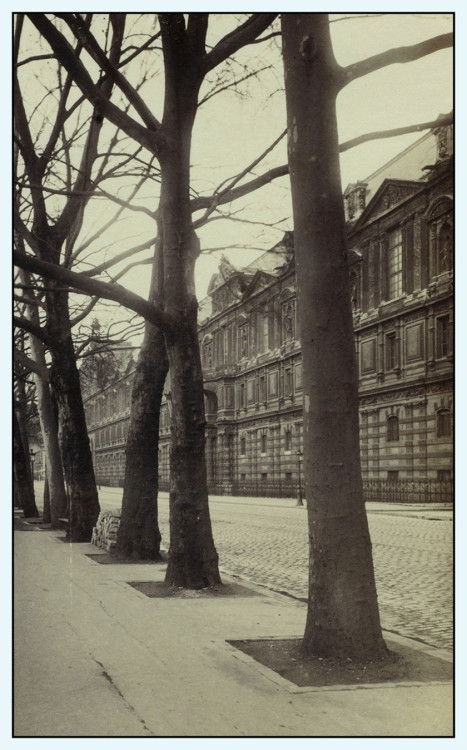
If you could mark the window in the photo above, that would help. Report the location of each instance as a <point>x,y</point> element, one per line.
<point>265,332</point>
<point>262,388</point>
<point>392,429</point>
<point>288,381</point>
<point>242,395</point>
<point>242,446</point>
<point>263,443</point>
<point>393,476</point>
<point>288,476</point>
<point>392,359</point>
<point>264,477</point>
<point>442,336</point>
<point>394,264</point>
<point>288,440</point>
<point>298,376</point>
<point>443,423</point>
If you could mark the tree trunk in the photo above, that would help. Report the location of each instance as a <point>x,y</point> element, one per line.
<point>343,618</point>
<point>57,505</point>
<point>138,535</point>
<point>193,560</point>
<point>83,504</point>
<point>24,487</point>
<point>46,512</point>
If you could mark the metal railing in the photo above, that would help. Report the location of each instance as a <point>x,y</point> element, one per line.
<point>374,490</point>
<point>408,491</point>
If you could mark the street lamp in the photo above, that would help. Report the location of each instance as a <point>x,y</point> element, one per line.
<point>299,493</point>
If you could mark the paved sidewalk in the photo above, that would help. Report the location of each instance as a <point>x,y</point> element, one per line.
<point>94,657</point>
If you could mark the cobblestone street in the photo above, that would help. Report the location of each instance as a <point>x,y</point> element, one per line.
<point>412,556</point>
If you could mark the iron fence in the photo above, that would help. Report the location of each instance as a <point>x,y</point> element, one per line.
<point>408,491</point>
<point>374,490</point>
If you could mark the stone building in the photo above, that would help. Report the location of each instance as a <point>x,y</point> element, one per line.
<point>400,238</point>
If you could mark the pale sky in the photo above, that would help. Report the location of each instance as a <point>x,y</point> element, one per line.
<point>231,131</point>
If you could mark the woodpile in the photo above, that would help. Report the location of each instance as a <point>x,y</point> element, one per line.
<point>104,533</point>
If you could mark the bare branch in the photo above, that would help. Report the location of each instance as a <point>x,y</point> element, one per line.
<point>150,139</point>
<point>93,287</point>
<point>440,122</point>
<point>245,34</point>
<point>27,325</point>
<point>393,56</point>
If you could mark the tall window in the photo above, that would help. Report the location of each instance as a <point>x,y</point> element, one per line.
<point>288,440</point>
<point>442,336</point>
<point>288,381</point>
<point>443,423</point>
<point>242,446</point>
<point>263,443</point>
<point>242,395</point>
<point>265,326</point>
<point>394,264</point>
<point>392,359</point>
<point>392,429</point>
<point>262,388</point>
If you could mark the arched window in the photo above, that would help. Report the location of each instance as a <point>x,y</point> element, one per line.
<point>443,423</point>
<point>288,440</point>
<point>263,443</point>
<point>392,429</point>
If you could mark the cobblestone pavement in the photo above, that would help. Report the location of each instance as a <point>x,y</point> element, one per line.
<point>412,557</point>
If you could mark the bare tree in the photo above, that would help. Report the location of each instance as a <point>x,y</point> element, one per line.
<point>192,558</point>
<point>343,618</point>
<point>52,193</point>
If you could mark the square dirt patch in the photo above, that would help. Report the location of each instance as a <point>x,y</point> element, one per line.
<point>161,590</point>
<point>403,664</point>
<point>111,559</point>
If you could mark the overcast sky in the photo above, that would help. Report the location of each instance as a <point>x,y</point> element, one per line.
<point>230,131</point>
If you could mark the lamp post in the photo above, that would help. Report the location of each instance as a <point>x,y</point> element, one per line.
<point>299,493</point>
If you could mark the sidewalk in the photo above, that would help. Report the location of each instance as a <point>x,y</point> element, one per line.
<point>94,657</point>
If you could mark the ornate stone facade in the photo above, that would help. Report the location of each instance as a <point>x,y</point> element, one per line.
<point>400,237</point>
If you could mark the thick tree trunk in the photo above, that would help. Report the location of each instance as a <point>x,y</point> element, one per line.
<point>193,560</point>
<point>83,504</point>
<point>138,535</point>
<point>343,617</point>
<point>24,488</point>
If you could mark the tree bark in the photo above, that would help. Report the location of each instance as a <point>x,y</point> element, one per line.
<point>193,559</point>
<point>343,618</point>
<point>57,500</point>
<point>24,487</point>
<point>83,504</point>
<point>138,535</point>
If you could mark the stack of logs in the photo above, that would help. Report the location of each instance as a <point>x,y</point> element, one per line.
<point>104,533</point>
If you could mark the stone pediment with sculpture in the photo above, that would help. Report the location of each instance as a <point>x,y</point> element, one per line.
<point>390,194</point>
